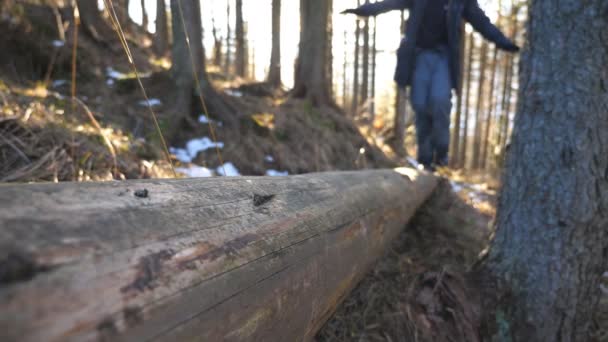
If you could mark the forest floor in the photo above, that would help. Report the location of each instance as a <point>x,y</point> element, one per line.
<point>108,134</point>
<point>417,291</point>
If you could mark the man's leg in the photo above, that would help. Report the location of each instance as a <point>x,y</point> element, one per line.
<point>419,94</point>
<point>440,106</point>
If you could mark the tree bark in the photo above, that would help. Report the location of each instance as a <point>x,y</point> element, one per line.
<point>372,105</point>
<point>313,66</point>
<point>486,139</point>
<point>161,36</point>
<point>365,62</point>
<point>217,44</point>
<point>144,16</point>
<point>355,102</point>
<point>274,71</point>
<point>467,95</point>
<point>92,22</point>
<point>551,245</point>
<point>240,54</point>
<point>241,259</point>
<point>455,138</point>
<point>480,102</point>
<point>228,61</point>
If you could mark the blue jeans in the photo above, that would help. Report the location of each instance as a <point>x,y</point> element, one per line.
<point>431,97</point>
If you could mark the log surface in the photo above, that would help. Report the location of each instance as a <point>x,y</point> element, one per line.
<point>207,259</point>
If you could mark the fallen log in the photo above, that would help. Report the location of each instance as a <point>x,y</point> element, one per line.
<point>205,259</point>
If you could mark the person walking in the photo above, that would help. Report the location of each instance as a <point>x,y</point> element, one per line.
<point>428,60</point>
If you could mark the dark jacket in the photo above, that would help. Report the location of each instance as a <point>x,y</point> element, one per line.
<point>458,10</point>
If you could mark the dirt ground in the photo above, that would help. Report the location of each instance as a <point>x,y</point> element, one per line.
<point>415,293</point>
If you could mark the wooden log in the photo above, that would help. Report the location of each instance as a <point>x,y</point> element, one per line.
<point>204,259</point>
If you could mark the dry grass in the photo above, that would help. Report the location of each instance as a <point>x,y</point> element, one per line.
<point>414,293</point>
<point>42,140</point>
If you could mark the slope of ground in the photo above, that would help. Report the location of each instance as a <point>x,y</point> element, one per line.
<point>108,132</point>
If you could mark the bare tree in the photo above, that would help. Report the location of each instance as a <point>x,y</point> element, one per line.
<point>92,21</point>
<point>240,53</point>
<point>144,16</point>
<point>274,72</point>
<point>486,139</point>
<point>355,103</point>
<point>161,36</point>
<point>313,66</point>
<point>480,102</point>
<point>551,243</point>
<point>468,73</point>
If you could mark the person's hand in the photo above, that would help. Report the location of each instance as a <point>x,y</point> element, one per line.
<point>350,11</point>
<point>510,47</point>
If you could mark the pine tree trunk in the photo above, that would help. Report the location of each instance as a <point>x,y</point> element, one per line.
<point>456,131</point>
<point>144,16</point>
<point>161,36</point>
<point>365,62</point>
<point>228,61</point>
<point>344,77</point>
<point>274,73</point>
<point>92,21</point>
<point>217,44</point>
<point>551,245</point>
<point>468,73</point>
<point>355,102</point>
<point>240,54</point>
<point>372,105</point>
<point>486,139</point>
<point>480,102</point>
<point>313,66</point>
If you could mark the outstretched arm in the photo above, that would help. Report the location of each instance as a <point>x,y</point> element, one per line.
<point>375,8</point>
<point>481,23</point>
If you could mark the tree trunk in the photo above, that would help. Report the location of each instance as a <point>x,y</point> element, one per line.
<point>365,62</point>
<point>217,44</point>
<point>468,74</point>
<point>144,16</point>
<point>313,66</point>
<point>224,259</point>
<point>455,138</point>
<point>372,105</point>
<point>480,102</point>
<point>355,102</point>
<point>161,36</point>
<point>551,245</point>
<point>486,139</point>
<point>274,72</point>
<point>92,22</point>
<point>228,56</point>
<point>240,54</point>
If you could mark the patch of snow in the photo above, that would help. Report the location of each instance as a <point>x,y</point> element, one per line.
<point>275,173</point>
<point>228,169</point>
<point>604,289</point>
<point>59,83</point>
<point>181,154</point>
<point>58,43</point>
<point>234,93</point>
<point>112,73</point>
<point>110,82</point>
<point>195,171</point>
<point>150,102</point>
<point>269,159</point>
<point>456,187</point>
<point>193,147</point>
<point>204,119</point>
<point>605,275</point>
